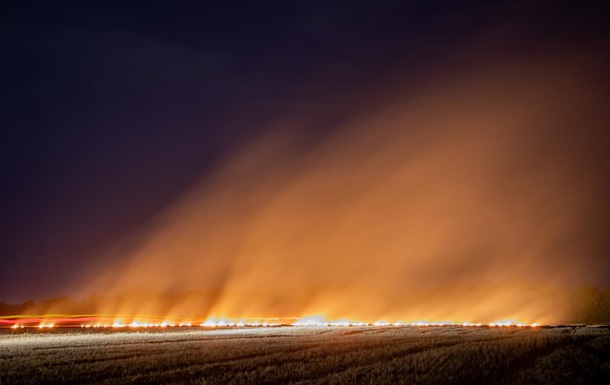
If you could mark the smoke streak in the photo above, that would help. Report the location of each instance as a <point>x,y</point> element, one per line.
<point>472,197</point>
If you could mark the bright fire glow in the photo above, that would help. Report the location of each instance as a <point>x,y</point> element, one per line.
<point>145,322</point>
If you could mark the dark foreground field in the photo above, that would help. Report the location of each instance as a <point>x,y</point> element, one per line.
<point>370,355</point>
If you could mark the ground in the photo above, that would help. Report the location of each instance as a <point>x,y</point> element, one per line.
<point>329,355</point>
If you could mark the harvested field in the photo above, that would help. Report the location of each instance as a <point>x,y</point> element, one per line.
<point>329,355</point>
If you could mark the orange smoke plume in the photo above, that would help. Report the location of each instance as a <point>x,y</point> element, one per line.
<point>460,199</point>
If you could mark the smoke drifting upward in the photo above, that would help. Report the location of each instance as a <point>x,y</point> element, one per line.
<point>475,197</point>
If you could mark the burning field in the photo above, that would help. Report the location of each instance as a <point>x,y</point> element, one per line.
<point>305,192</point>
<point>308,354</point>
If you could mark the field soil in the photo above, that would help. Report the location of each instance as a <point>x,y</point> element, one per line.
<point>324,355</point>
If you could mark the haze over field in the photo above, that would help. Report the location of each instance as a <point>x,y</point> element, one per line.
<point>395,161</point>
<point>468,197</point>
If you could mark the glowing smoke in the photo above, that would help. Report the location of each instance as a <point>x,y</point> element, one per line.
<point>460,199</point>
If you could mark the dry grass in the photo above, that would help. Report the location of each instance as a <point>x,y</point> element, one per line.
<point>391,355</point>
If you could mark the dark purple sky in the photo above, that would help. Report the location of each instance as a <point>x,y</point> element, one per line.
<point>112,110</point>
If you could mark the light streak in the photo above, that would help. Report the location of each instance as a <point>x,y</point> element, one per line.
<point>126,322</point>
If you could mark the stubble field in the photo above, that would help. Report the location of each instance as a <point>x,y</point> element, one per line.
<point>328,355</point>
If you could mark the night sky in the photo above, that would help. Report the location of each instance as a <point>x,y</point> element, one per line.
<point>112,110</point>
